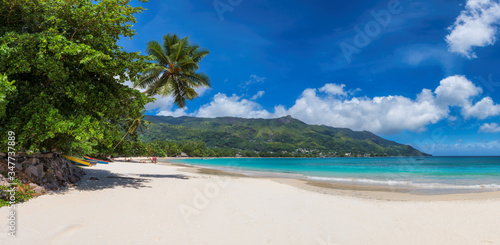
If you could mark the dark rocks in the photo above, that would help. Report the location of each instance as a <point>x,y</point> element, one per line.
<point>46,171</point>
<point>51,186</point>
<point>32,171</point>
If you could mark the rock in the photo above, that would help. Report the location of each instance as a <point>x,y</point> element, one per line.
<point>33,161</point>
<point>37,189</point>
<point>48,155</point>
<point>4,181</point>
<point>32,171</point>
<point>51,186</point>
<point>18,166</point>
<point>2,155</point>
<point>59,175</point>
<point>72,179</point>
<point>39,169</point>
<point>49,176</point>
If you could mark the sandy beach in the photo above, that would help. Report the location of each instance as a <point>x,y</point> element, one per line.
<point>144,203</point>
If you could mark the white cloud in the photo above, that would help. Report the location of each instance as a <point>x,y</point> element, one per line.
<point>456,91</point>
<point>334,89</point>
<point>233,106</point>
<point>254,79</point>
<point>179,112</point>
<point>476,26</point>
<point>388,114</point>
<point>384,114</point>
<point>258,95</point>
<point>489,128</point>
<point>482,109</point>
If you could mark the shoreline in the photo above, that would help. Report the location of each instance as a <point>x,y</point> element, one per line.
<point>377,192</point>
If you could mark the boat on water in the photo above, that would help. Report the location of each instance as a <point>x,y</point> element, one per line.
<point>78,161</point>
<point>90,159</point>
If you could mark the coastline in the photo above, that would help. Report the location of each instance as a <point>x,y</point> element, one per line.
<point>389,193</point>
<point>144,203</point>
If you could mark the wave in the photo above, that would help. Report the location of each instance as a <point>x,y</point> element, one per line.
<point>404,183</point>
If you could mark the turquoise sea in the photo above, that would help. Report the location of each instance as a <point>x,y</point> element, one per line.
<point>458,173</point>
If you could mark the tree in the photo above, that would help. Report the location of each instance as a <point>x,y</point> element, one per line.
<point>175,69</point>
<point>135,124</point>
<point>69,73</point>
<point>7,90</point>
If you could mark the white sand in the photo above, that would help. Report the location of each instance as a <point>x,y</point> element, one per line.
<point>238,211</point>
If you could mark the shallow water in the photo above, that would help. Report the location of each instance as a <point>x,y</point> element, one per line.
<point>481,173</point>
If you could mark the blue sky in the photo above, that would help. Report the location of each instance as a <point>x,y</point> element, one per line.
<point>423,73</point>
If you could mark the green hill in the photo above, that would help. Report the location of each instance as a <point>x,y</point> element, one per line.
<point>285,135</point>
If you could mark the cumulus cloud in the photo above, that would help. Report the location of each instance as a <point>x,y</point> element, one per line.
<point>258,95</point>
<point>233,106</point>
<point>388,114</point>
<point>334,89</point>
<point>332,105</point>
<point>476,26</point>
<point>489,128</point>
<point>456,91</point>
<point>482,109</point>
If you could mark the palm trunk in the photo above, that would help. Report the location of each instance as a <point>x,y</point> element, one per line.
<point>120,140</point>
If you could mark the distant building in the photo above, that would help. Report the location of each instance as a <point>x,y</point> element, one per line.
<point>348,154</point>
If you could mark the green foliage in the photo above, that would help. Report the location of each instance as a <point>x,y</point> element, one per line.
<point>23,193</point>
<point>69,73</point>
<point>7,90</point>
<point>281,137</point>
<point>175,69</point>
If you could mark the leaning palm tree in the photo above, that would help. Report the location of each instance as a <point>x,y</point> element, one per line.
<point>135,124</point>
<point>174,71</point>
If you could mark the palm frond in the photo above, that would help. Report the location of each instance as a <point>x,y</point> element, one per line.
<point>154,49</point>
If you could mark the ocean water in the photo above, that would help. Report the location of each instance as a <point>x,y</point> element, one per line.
<point>458,173</point>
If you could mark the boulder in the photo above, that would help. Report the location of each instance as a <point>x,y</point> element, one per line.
<point>72,179</point>
<point>39,169</point>
<point>32,171</point>
<point>37,189</point>
<point>59,175</point>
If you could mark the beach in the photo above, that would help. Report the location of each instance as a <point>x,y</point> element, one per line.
<point>144,203</point>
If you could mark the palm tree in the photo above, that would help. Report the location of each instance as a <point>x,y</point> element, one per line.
<point>174,71</point>
<point>135,124</point>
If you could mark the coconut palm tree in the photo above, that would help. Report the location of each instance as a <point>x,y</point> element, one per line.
<point>174,71</point>
<point>135,124</point>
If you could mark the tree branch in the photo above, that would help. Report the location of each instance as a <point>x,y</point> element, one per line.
<point>10,11</point>
<point>88,22</point>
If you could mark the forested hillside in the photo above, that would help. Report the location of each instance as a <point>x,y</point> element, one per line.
<point>262,137</point>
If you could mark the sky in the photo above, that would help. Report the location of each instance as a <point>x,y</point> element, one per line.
<point>424,73</point>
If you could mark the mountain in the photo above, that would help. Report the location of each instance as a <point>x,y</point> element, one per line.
<point>285,134</point>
